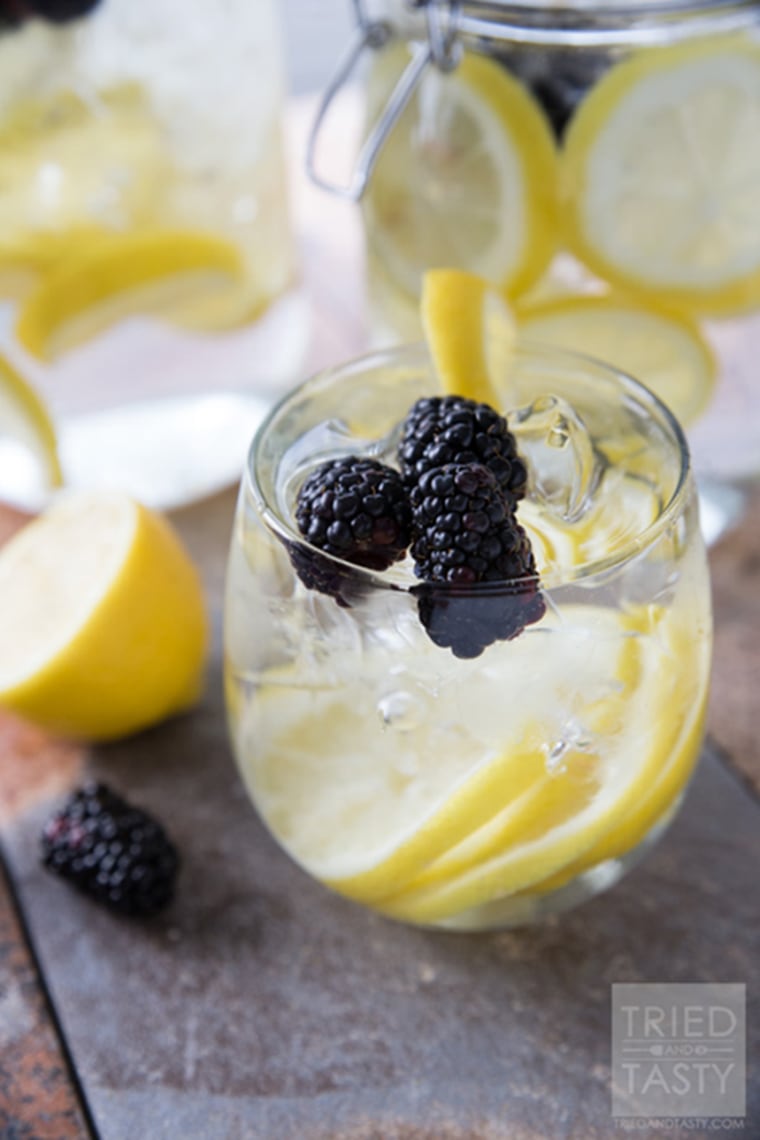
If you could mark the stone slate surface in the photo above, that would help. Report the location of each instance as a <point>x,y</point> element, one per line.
<point>261,1005</point>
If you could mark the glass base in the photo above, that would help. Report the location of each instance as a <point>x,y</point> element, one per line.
<point>530,908</point>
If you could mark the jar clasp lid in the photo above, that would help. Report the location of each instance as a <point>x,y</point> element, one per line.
<point>441,49</point>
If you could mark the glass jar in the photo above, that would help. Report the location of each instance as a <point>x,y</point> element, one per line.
<point>145,246</point>
<point>483,756</point>
<point>572,151</point>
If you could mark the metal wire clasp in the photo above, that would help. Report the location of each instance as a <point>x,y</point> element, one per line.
<point>441,48</point>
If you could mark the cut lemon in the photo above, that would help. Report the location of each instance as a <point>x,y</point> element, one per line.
<point>124,274</point>
<point>24,419</point>
<point>592,793</point>
<point>470,333</point>
<point>662,349</point>
<point>468,177</point>
<point>102,620</point>
<point>662,175</point>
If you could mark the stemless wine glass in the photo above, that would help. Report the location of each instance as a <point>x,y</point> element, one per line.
<point>146,255</point>
<point>458,790</point>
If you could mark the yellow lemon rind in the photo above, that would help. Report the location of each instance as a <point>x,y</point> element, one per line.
<point>737,296</point>
<point>117,267</point>
<point>116,676</point>
<point>588,305</point>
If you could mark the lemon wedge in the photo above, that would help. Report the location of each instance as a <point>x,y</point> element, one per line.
<point>102,622</point>
<point>662,175</point>
<point>121,275</point>
<point>662,349</point>
<point>24,419</point>
<point>586,799</point>
<point>470,332</point>
<point>468,177</point>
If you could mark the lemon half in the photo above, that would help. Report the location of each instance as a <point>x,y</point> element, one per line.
<point>102,621</point>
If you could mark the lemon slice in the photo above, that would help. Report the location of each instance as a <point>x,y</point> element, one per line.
<point>653,806</point>
<point>662,349</point>
<point>102,621</point>
<point>124,274</point>
<point>365,808</point>
<point>470,333</point>
<point>662,175</point>
<point>591,794</point>
<point>363,820</point>
<point>24,419</point>
<point>546,798</point>
<point>468,178</point>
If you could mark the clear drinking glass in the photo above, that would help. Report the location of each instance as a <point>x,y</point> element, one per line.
<point>571,152</point>
<point>485,791</point>
<point>145,246</point>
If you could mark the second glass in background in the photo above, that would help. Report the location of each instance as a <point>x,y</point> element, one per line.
<point>146,248</point>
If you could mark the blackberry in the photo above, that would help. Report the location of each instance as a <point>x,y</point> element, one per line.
<point>452,429</point>
<point>355,509</point>
<point>112,851</point>
<point>56,11</point>
<point>479,577</point>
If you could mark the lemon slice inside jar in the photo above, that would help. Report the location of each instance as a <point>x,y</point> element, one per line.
<point>467,178</point>
<point>662,349</point>
<point>662,175</point>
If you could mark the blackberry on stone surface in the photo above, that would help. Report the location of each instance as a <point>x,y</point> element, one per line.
<point>355,509</point>
<point>453,429</point>
<point>116,853</point>
<point>479,580</point>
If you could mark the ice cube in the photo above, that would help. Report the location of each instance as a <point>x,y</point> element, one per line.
<point>564,468</point>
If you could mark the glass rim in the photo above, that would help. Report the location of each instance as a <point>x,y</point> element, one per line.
<point>417,353</point>
<point>583,23</point>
